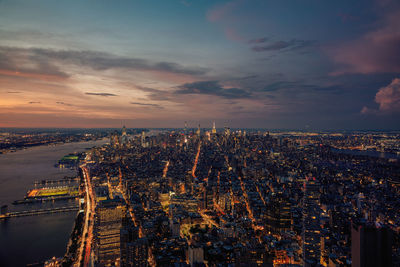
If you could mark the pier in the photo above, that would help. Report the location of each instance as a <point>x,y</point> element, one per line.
<point>45,183</point>
<point>38,212</point>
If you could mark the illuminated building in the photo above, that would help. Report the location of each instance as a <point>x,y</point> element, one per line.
<point>278,214</point>
<point>124,136</point>
<point>227,131</point>
<point>311,222</point>
<point>109,218</point>
<point>214,131</point>
<point>143,139</point>
<point>114,140</point>
<point>198,130</point>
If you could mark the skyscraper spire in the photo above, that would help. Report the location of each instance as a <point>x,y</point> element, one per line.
<point>214,131</point>
<point>198,130</point>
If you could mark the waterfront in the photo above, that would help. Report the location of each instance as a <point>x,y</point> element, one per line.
<point>34,239</point>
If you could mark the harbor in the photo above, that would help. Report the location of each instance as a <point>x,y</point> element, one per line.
<point>47,234</point>
<point>51,190</point>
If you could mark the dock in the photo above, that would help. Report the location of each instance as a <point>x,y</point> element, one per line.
<point>40,200</point>
<point>45,183</point>
<point>38,212</point>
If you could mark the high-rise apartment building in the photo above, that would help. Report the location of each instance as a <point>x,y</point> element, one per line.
<point>311,222</point>
<point>110,215</point>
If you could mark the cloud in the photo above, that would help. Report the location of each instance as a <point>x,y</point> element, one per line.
<point>293,44</point>
<point>145,104</point>
<point>212,88</point>
<point>13,92</point>
<point>34,102</point>
<point>100,94</point>
<point>222,11</point>
<point>15,60</point>
<point>365,110</point>
<point>388,97</point>
<point>156,94</point>
<point>25,63</point>
<point>299,86</point>
<point>63,103</point>
<point>104,61</point>
<point>259,40</point>
<point>377,51</point>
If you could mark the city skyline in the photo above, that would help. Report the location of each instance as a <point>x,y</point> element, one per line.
<point>243,64</point>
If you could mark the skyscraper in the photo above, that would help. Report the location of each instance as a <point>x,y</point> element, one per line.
<point>371,245</point>
<point>311,222</point>
<point>124,137</point>
<point>109,218</point>
<point>198,130</point>
<point>214,131</point>
<point>278,214</point>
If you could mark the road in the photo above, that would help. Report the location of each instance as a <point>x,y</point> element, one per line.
<point>87,233</point>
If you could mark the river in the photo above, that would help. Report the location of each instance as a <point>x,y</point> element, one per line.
<point>27,240</point>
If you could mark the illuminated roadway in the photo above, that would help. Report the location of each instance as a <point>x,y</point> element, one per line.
<point>85,251</point>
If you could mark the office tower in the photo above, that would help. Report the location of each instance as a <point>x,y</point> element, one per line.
<point>227,131</point>
<point>137,253</point>
<point>278,214</point>
<point>114,140</point>
<point>143,139</point>
<point>198,130</point>
<point>124,137</point>
<point>371,245</point>
<point>214,131</point>
<point>185,129</point>
<point>195,255</point>
<point>108,223</point>
<point>311,222</point>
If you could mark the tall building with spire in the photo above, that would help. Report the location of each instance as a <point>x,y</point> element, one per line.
<point>185,129</point>
<point>198,130</point>
<point>124,136</point>
<point>214,131</point>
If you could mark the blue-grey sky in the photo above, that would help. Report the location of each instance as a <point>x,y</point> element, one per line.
<point>244,63</point>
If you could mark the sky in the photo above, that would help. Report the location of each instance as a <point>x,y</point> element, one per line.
<point>287,64</point>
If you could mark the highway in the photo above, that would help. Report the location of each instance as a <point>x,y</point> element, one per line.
<point>87,233</point>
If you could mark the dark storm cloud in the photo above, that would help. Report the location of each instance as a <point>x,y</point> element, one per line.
<point>293,44</point>
<point>212,88</point>
<point>100,94</point>
<point>45,60</point>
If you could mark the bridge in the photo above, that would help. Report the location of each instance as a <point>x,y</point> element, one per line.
<point>38,212</point>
